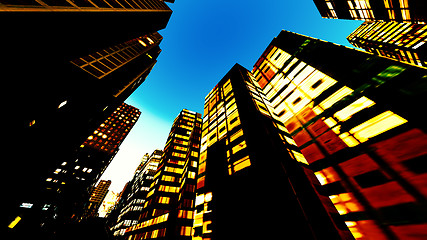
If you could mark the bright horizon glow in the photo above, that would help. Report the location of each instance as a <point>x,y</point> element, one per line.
<point>202,41</point>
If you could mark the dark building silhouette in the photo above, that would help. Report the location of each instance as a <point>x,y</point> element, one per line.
<point>65,191</point>
<point>386,10</point>
<point>355,118</point>
<point>85,58</point>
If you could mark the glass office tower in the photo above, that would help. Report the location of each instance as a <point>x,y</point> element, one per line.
<point>355,118</point>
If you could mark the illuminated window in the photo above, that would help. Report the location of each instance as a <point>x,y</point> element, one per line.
<point>239,147</point>
<point>353,108</point>
<point>186,230</point>
<point>377,125</point>
<point>335,97</point>
<point>164,200</point>
<point>62,104</point>
<point>239,165</point>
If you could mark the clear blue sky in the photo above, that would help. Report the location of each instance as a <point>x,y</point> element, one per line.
<point>202,41</point>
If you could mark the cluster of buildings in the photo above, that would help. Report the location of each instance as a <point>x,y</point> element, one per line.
<point>318,141</point>
<point>74,63</point>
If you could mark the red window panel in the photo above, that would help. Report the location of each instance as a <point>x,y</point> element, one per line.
<point>358,165</point>
<point>312,153</point>
<point>388,194</point>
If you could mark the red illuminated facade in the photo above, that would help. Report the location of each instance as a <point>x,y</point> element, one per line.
<point>355,119</point>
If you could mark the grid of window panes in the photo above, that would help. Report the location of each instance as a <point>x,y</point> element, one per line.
<point>104,62</point>
<point>174,184</point>
<point>399,41</point>
<point>334,125</point>
<point>82,5</point>
<point>111,133</point>
<point>130,212</point>
<point>387,10</point>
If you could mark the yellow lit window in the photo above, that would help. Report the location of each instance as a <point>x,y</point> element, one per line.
<point>239,164</point>
<point>377,125</point>
<point>192,175</point>
<point>236,135</point>
<point>164,200</point>
<point>348,139</point>
<point>299,157</point>
<point>353,108</point>
<point>239,147</point>
<point>200,199</point>
<point>194,154</point>
<point>335,97</point>
<point>205,227</point>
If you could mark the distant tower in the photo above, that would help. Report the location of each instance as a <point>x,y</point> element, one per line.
<point>96,198</point>
<point>169,208</point>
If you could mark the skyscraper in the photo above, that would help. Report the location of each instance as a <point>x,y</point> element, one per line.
<point>401,41</point>
<point>386,10</point>
<point>355,119</point>
<point>250,183</point>
<point>134,199</point>
<point>169,207</point>
<point>96,197</point>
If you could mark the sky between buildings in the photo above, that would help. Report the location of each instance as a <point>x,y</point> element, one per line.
<point>202,41</point>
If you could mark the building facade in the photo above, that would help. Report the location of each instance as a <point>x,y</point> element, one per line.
<point>169,207</point>
<point>250,183</point>
<point>96,198</point>
<point>401,41</point>
<point>136,197</point>
<point>385,10</point>
<point>355,119</point>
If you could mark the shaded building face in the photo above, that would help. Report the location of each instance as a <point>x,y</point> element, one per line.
<point>401,41</point>
<point>250,183</point>
<point>354,118</point>
<point>169,207</point>
<point>386,10</point>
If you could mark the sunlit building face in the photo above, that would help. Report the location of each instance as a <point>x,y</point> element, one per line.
<point>401,41</point>
<point>386,10</point>
<point>359,142</point>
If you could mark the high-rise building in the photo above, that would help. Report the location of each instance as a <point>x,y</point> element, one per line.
<point>67,186</point>
<point>250,184</point>
<point>401,41</point>
<point>387,10</point>
<point>84,60</point>
<point>169,207</point>
<point>133,203</point>
<point>96,197</point>
<point>356,120</point>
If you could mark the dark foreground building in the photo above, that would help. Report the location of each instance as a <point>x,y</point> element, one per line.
<point>68,65</point>
<point>356,119</point>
